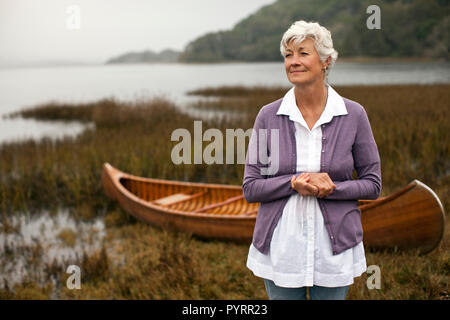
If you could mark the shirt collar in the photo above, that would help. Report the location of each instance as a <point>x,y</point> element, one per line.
<point>335,107</point>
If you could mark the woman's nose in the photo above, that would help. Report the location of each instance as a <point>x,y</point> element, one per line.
<point>295,61</point>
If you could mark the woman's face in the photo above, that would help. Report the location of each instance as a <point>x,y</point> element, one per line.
<point>302,63</point>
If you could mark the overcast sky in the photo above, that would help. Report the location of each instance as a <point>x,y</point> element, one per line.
<point>45,30</point>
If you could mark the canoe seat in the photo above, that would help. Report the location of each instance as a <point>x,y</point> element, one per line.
<point>176,198</point>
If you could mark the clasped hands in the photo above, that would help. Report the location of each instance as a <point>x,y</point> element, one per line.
<point>317,184</point>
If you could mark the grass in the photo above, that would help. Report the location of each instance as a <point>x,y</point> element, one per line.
<point>410,124</point>
<point>68,237</point>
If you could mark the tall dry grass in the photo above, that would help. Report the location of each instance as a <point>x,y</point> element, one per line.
<point>410,125</point>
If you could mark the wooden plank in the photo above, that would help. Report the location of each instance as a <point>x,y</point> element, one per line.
<point>220,204</point>
<point>176,198</point>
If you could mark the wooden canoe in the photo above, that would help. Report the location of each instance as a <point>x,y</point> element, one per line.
<point>411,218</point>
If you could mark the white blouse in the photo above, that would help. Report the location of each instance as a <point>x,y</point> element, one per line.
<point>300,251</point>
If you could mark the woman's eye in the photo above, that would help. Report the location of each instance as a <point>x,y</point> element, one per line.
<point>305,53</point>
<point>287,55</point>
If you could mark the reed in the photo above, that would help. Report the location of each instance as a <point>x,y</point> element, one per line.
<point>410,124</point>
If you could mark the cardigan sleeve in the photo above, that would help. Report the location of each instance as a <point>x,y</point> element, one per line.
<point>257,186</point>
<point>367,165</point>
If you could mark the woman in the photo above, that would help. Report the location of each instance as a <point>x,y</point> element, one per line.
<point>308,231</point>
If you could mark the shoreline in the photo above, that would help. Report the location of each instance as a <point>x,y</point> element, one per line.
<point>390,59</point>
<point>54,117</point>
<point>343,59</point>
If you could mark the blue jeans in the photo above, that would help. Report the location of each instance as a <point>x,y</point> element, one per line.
<point>315,292</point>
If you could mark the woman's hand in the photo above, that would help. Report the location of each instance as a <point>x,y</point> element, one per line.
<point>301,185</point>
<point>323,182</point>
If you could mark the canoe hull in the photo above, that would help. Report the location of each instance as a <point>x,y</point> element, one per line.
<point>412,218</point>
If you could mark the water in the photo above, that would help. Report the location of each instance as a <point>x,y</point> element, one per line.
<point>36,241</point>
<point>27,87</point>
<point>32,242</point>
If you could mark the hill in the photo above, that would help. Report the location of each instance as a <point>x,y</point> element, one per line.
<point>409,28</point>
<point>147,56</point>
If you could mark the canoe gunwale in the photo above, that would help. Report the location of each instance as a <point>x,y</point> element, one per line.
<point>383,200</point>
<point>170,182</point>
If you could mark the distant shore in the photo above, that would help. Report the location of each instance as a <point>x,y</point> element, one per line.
<point>389,59</point>
<point>97,63</point>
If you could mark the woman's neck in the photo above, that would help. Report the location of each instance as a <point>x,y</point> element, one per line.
<point>311,99</point>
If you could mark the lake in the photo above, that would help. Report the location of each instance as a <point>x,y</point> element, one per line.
<point>27,87</point>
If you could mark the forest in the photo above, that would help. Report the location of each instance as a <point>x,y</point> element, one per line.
<point>409,29</point>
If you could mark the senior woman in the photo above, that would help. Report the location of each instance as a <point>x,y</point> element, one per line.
<point>305,146</point>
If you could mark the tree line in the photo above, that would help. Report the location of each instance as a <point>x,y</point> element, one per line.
<point>409,28</point>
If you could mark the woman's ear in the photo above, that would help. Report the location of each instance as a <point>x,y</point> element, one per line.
<point>326,64</point>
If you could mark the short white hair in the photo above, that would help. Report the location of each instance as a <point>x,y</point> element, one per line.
<point>300,30</point>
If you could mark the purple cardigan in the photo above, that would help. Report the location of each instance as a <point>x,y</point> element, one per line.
<point>347,144</point>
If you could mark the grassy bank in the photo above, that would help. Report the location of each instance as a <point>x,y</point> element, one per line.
<point>410,125</point>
